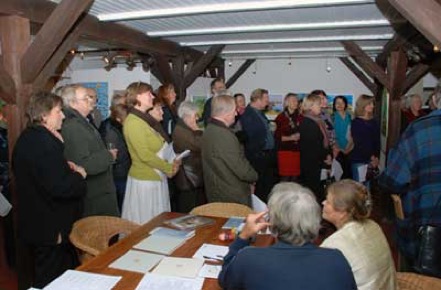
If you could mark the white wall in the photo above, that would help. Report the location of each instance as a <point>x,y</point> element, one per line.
<point>118,78</point>
<point>302,76</point>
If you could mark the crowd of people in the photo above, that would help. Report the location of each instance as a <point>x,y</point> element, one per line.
<point>126,165</point>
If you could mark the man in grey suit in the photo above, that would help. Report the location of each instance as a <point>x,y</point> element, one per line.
<point>84,146</point>
<point>228,176</point>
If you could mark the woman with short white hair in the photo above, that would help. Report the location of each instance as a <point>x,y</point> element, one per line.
<point>293,262</point>
<point>188,136</point>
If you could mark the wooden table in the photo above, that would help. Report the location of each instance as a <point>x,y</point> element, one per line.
<point>207,234</point>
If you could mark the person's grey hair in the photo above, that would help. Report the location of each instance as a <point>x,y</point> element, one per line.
<point>309,101</point>
<point>187,109</point>
<point>223,93</point>
<point>68,94</point>
<point>411,98</point>
<point>294,213</point>
<point>222,105</point>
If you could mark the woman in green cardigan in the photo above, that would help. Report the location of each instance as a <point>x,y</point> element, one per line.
<point>147,191</point>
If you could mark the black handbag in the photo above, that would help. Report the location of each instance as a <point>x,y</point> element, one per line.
<point>428,261</point>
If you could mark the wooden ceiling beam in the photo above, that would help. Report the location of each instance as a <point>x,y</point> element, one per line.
<point>424,15</point>
<point>397,69</point>
<point>359,74</point>
<point>49,37</point>
<point>414,75</point>
<point>240,71</point>
<point>202,64</point>
<point>7,86</point>
<point>59,55</point>
<point>164,69</point>
<point>371,68</point>
<point>37,11</point>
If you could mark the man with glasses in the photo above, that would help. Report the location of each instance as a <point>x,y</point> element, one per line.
<point>84,146</point>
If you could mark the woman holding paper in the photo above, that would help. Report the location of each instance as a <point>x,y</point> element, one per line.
<point>189,180</point>
<point>147,190</point>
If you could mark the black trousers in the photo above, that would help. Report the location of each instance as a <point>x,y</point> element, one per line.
<point>40,265</point>
<point>265,164</point>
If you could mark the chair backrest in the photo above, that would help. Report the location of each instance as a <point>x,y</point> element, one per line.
<point>222,209</point>
<point>398,206</point>
<point>413,281</point>
<point>92,234</point>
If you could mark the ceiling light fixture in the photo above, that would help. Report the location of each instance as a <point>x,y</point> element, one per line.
<point>274,27</point>
<point>288,50</point>
<point>225,7</point>
<point>291,40</point>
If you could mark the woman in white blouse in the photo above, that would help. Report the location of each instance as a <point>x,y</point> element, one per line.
<point>348,206</point>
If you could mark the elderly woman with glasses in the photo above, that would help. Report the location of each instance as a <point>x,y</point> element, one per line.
<point>293,262</point>
<point>348,206</point>
<point>188,136</point>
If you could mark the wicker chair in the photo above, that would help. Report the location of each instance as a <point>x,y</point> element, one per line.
<point>222,209</point>
<point>413,281</point>
<point>91,235</point>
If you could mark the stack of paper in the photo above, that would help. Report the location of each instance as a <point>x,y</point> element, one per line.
<point>161,231</point>
<point>160,282</point>
<point>189,222</point>
<point>234,222</point>
<point>136,261</point>
<point>160,244</point>
<point>179,267</point>
<point>211,252</point>
<point>77,280</point>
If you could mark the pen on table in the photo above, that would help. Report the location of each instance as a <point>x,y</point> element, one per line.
<point>217,258</point>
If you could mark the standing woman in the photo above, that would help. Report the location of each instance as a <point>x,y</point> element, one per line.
<point>315,152</point>
<point>365,133</point>
<point>146,193</point>
<point>287,139</point>
<point>342,125</point>
<point>167,97</point>
<point>50,192</point>
<point>189,180</point>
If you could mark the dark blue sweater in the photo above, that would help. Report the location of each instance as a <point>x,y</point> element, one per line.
<point>366,136</point>
<point>284,266</point>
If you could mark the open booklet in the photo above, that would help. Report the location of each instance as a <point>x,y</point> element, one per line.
<point>189,222</point>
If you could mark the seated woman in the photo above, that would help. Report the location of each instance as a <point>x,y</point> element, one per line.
<point>293,262</point>
<point>348,206</point>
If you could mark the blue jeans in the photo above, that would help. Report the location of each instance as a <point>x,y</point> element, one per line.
<point>355,175</point>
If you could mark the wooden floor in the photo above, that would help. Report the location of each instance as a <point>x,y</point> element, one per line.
<point>382,215</point>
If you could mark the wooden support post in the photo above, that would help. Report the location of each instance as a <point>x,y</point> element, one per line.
<point>15,37</point>
<point>397,68</point>
<point>163,69</point>
<point>240,71</point>
<point>178,77</point>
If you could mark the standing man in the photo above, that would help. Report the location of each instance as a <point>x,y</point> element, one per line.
<point>414,172</point>
<point>84,146</point>
<point>259,142</point>
<point>95,117</point>
<point>227,174</point>
<point>216,86</point>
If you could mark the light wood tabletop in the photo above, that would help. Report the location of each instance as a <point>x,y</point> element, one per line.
<point>206,234</point>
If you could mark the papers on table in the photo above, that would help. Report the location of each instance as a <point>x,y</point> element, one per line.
<point>210,271</point>
<point>159,282</point>
<point>234,222</point>
<point>179,267</point>
<point>160,244</point>
<point>209,250</point>
<point>257,204</point>
<point>136,261</point>
<point>161,231</point>
<point>77,280</point>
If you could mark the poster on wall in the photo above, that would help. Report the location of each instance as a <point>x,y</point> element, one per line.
<point>102,91</point>
<point>275,106</point>
<point>199,101</point>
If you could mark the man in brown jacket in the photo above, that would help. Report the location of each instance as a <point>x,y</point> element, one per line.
<point>228,175</point>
